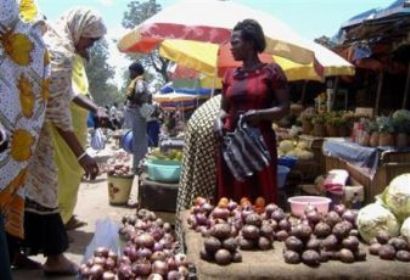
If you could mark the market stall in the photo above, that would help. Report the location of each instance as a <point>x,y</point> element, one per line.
<point>373,167</point>
<point>270,264</point>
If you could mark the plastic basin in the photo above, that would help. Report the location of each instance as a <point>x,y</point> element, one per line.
<point>282,172</point>
<point>299,203</point>
<point>287,161</point>
<point>164,161</point>
<point>163,172</point>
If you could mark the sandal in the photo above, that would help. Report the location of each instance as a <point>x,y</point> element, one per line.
<point>74,223</point>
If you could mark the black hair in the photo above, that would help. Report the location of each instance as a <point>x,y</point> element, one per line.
<point>252,31</point>
<point>137,68</point>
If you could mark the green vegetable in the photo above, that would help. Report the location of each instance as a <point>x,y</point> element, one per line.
<point>397,196</point>
<point>374,218</point>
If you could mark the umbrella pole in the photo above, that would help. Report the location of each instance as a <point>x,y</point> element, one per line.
<point>379,92</point>
<point>406,89</point>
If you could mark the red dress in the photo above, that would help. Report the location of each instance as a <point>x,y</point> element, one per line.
<point>244,91</point>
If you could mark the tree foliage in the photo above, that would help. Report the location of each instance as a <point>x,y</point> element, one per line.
<point>99,74</point>
<point>138,11</point>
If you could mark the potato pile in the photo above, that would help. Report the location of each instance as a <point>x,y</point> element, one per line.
<point>315,238</point>
<point>390,248</point>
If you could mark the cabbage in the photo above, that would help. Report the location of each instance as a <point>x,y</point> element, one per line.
<point>405,229</point>
<point>397,196</point>
<point>373,218</point>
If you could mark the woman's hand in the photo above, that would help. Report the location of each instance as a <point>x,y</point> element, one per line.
<point>90,167</point>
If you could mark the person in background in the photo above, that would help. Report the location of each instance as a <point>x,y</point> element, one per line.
<point>259,92</point>
<point>77,30</point>
<point>154,128</point>
<point>135,114</point>
<point>22,114</point>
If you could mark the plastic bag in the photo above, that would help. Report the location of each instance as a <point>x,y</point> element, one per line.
<point>106,235</point>
<point>97,140</point>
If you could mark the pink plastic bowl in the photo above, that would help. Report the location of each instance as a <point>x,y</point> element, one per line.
<point>299,203</point>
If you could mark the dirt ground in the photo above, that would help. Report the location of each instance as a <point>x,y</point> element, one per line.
<point>92,205</point>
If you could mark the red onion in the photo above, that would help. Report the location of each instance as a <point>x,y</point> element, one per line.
<point>141,225</point>
<point>184,271</point>
<point>167,227</point>
<point>207,208</point>
<point>174,275</point>
<point>113,256</point>
<point>200,201</point>
<point>340,209</point>
<point>232,205</point>
<point>101,252</point>
<point>108,275</point>
<point>270,208</point>
<point>246,212</point>
<point>201,219</point>
<point>125,260</point>
<point>180,259</point>
<point>124,272</point>
<point>350,216</point>
<point>197,210</point>
<point>145,240</point>
<point>99,260</point>
<point>172,264</point>
<point>110,264</point>
<point>158,256</point>
<point>157,233</point>
<point>160,267</point>
<point>192,221</point>
<point>155,276</point>
<point>151,216</point>
<point>84,271</point>
<point>132,254</point>
<point>220,213</point>
<point>96,271</point>
<point>158,247</point>
<point>142,268</point>
<point>159,222</point>
<point>144,253</point>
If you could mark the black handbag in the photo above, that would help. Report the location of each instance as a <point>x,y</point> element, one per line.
<point>244,151</point>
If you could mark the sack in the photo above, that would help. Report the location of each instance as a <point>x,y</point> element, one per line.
<point>245,151</point>
<point>97,140</point>
<point>106,235</point>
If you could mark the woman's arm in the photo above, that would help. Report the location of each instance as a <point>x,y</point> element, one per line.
<point>89,105</point>
<point>88,163</point>
<point>274,113</point>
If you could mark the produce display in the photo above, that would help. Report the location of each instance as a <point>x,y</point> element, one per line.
<point>170,154</point>
<point>390,248</point>
<point>150,253</point>
<point>298,149</point>
<point>312,239</point>
<point>118,165</point>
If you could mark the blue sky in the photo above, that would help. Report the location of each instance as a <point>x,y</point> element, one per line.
<point>309,18</point>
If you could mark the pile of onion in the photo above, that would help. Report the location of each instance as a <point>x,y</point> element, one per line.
<point>317,238</point>
<point>390,248</point>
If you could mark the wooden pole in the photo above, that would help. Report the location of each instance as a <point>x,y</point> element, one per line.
<point>407,87</point>
<point>379,92</point>
<point>335,92</point>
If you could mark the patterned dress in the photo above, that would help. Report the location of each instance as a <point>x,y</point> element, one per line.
<point>244,91</point>
<point>24,75</point>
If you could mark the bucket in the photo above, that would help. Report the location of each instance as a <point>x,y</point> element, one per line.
<point>126,141</point>
<point>162,172</point>
<point>282,173</point>
<point>119,189</point>
<point>288,161</point>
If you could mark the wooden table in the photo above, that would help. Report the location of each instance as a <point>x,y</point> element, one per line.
<point>270,265</point>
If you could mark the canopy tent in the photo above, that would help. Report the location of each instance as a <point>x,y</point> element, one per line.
<point>203,57</point>
<point>211,21</point>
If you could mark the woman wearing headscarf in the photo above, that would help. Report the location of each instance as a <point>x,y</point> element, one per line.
<point>75,31</point>
<point>24,87</point>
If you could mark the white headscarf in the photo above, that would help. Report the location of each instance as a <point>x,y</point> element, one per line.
<point>76,23</point>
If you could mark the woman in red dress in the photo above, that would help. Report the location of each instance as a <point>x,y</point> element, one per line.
<point>258,91</point>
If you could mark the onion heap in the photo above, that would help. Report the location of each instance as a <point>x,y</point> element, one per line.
<point>390,248</point>
<point>119,169</point>
<point>150,253</point>
<point>317,238</point>
<point>118,164</point>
